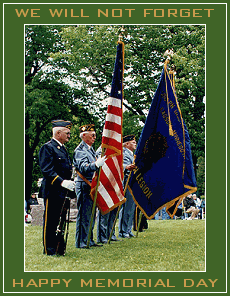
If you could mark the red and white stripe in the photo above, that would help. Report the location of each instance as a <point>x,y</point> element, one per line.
<point>112,133</point>
<point>110,190</point>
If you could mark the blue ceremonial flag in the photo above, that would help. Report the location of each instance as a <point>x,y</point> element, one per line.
<point>164,172</point>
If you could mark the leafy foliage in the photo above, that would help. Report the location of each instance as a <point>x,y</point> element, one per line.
<point>69,72</point>
<point>201,175</point>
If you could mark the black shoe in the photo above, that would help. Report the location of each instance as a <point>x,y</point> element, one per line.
<point>124,236</point>
<point>116,240</point>
<point>103,242</point>
<point>50,252</point>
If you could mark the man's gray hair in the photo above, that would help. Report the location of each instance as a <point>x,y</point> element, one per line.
<point>57,128</point>
<point>82,133</point>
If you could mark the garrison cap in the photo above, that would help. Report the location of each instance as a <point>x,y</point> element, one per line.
<point>63,123</point>
<point>87,128</point>
<point>128,138</point>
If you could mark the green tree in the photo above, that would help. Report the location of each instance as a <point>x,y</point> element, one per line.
<point>201,175</point>
<point>90,54</point>
<point>69,72</point>
<point>47,96</point>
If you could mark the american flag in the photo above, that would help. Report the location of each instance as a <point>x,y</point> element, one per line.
<point>110,190</point>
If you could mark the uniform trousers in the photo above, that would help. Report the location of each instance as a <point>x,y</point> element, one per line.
<point>105,225</point>
<point>84,206</point>
<point>126,216</point>
<point>52,212</point>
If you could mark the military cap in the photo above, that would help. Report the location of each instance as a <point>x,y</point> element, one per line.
<point>62,123</point>
<point>128,138</point>
<point>87,128</point>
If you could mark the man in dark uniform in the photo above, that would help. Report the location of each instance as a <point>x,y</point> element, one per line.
<point>56,168</point>
<point>85,163</point>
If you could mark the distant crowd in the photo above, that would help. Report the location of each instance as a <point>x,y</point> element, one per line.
<point>191,207</point>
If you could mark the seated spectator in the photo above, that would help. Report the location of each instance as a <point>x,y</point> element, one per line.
<point>197,203</point>
<point>31,201</point>
<point>190,207</point>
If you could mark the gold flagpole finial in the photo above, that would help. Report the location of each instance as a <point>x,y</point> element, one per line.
<point>122,30</point>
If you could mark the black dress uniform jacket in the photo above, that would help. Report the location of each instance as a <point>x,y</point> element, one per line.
<point>56,166</point>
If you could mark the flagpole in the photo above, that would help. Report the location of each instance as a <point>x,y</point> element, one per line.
<point>94,203</point>
<point>139,223</point>
<point>114,223</point>
<point>169,54</point>
<point>115,220</point>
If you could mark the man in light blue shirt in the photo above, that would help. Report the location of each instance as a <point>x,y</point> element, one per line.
<point>85,163</point>
<point>126,215</point>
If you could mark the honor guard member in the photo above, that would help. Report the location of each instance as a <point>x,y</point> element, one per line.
<point>56,168</point>
<point>126,215</point>
<point>85,163</point>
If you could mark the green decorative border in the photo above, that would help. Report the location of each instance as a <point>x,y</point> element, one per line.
<point>213,16</point>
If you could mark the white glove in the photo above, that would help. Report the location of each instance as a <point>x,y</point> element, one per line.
<point>100,161</point>
<point>68,184</point>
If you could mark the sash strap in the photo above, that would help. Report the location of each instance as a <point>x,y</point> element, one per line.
<point>83,178</point>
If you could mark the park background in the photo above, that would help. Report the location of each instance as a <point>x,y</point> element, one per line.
<point>215,113</point>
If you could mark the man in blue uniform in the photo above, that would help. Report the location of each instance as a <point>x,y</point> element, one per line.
<point>85,163</point>
<point>126,215</point>
<point>56,168</point>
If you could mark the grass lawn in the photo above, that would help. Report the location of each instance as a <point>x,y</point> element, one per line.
<point>167,245</point>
